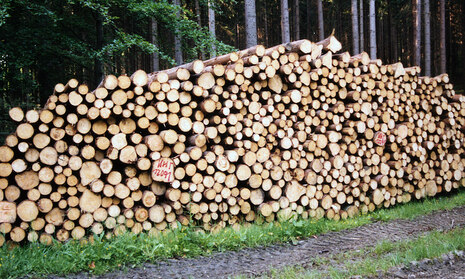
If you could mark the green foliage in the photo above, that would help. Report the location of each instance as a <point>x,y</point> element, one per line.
<point>130,250</point>
<point>47,42</point>
<point>125,41</point>
<point>4,7</point>
<point>185,27</point>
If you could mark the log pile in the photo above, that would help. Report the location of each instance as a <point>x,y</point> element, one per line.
<point>259,134</point>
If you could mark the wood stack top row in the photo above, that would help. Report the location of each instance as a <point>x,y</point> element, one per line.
<point>256,135</point>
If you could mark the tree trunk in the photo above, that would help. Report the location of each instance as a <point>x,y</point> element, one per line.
<point>212,28</point>
<point>393,37</point>
<point>361,31</point>
<point>177,39</point>
<point>307,20</point>
<point>197,13</point>
<point>417,33</point>
<point>285,33</point>
<point>265,22</point>
<point>98,72</point>
<point>463,28</point>
<point>199,22</point>
<point>155,56</point>
<point>427,38</point>
<point>296,20</point>
<point>372,30</point>
<point>250,24</point>
<point>442,45</point>
<point>355,37</point>
<point>321,28</point>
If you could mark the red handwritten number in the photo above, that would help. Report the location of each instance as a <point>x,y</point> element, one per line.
<point>380,139</point>
<point>163,169</point>
<point>163,173</point>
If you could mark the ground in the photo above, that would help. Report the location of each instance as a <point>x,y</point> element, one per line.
<point>316,254</point>
<point>449,266</point>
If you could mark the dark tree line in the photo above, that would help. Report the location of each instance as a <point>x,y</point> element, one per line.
<point>46,42</point>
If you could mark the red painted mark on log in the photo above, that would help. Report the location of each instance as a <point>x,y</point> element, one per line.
<point>380,138</point>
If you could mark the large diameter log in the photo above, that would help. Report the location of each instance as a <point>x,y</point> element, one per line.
<point>163,170</point>
<point>16,114</point>
<point>206,80</point>
<point>89,172</point>
<point>243,172</point>
<point>157,214</point>
<point>5,169</point>
<point>49,156</point>
<point>294,191</point>
<point>154,142</point>
<point>257,196</point>
<point>27,180</point>
<point>55,217</point>
<point>17,234</point>
<point>119,141</point>
<point>148,199</point>
<point>331,43</point>
<point>139,78</point>
<point>431,188</point>
<point>27,211</point>
<point>276,84</point>
<point>89,202</point>
<point>7,212</point>
<point>25,131</point>
<point>128,155</point>
<point>6,154</point>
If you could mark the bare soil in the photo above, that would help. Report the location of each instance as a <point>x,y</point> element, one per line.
<point>253,262</point>
<point>449,266</point>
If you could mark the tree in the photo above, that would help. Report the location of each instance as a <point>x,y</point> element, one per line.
<point>198,12</point>
<point>177,39</point>
<point>308,17</point>
<point>442,45</point>
<point>321,29</point>
<point>154,35</point>
<point>199,21</point>
<point>250,23</point>
<point>296,20</point>
<point>57,40</point>
<point>98,69</point>
<point>372,16</point>
<point>355,37</point>
<point>212,27</point>
<point>362,31</point>
<point>285,33</point>
<point>417,32</point>
<point>427,38</point>
<point>46,42</point>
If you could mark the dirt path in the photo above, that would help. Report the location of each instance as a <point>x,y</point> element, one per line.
<point>449,266</point>
<point>253,262</point>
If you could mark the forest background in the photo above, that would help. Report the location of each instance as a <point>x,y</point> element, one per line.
<point>44,42</point>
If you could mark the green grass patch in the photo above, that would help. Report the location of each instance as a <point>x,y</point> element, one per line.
<point>383,256</point>
<point>130,250</point>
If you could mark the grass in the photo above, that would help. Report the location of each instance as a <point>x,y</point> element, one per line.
<point>130,250</point>
<point>383,256</point>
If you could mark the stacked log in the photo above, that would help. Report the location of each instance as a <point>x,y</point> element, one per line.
<point>259,134</point>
